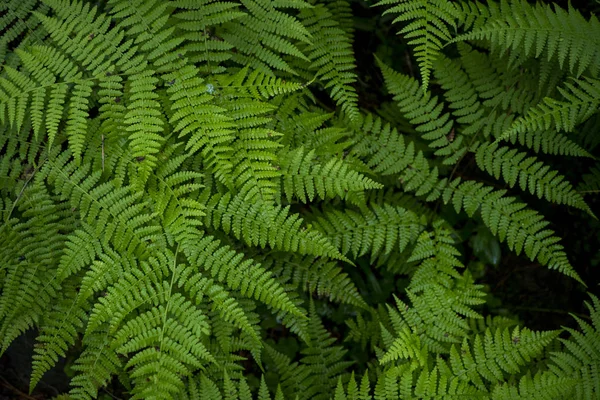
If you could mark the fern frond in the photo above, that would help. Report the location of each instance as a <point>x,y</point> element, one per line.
<point>428,28</point>
<point>144,122</point>
<point>20,27</point>
<point>166,345</point>
<point>208,389</point>
<point>58,332</point>
<point>549,142</point>
<point>377,228</point>
<point>386,151</point>
<point>353,391</point>
<point>87,37</point>
<point>406,382</point>
<point>170,189</point>
<point>321,276</point>
<point>582,99</point>
<point>94,367</point>
<point>523,229</point>
<point>263,34</point>
<point>421,108</point>
<point>531,174</point>
<point>543,385</point>
<point>537,29</point>
<point>31,247</point>
<point>501,90</point>
<point>580,360</point>
<point>323,360</point>
<point>332,57</point>
<point>18,91</point>
<point>147,22</point>
<point>260,224</point>
<point>294,377</point>
<point>197,20</point>
<point>228,308</point>
<point>441,298</point>
<point>250,279</point>
<point>407,345</point>
<point>211,132</point>
<point>254,152</point>
<point>255,84</point>
<point>475,92</point>
<point>114,212</point>
<point>303,178</point>
<point>493,357</point>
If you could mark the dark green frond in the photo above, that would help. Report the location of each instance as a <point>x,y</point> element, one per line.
<point>427,27</point>
<point>531,174</point>
<point>581,100</point>
<point>539,30</point>
<point>332,56</point>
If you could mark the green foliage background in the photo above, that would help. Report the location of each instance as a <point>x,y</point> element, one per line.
<point>298,199</point>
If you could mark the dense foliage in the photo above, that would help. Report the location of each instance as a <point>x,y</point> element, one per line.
<point>285,199</point>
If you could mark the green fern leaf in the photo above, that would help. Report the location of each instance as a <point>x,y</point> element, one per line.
<point>427,28</point>
<point>531,174</point>
<point>582,99</point>
<point>420,108</point>
<point>94,367</point>
<point>580,360</point>
<point>490,357</point>
<point>58,332</point>
<point>260,224</point>
<point>543,386</point>
<point>332,57</point>
<point>303,178</point>
<point>528,29</point>
<point>263,34</point>
<point>377,228</point>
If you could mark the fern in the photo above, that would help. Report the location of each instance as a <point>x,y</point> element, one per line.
<point>531,174</point>
<point>332,56</point>
<point>580,360</point>
<point>264,20</point>
<point>428,28</point>
<point>20,27</point>
<point>305,179</point>
<point>538,30</point>
<point>379,228</point>
<point>420,108</point>
<point>582,99</point>
<point>196,195</point>
<point>261,224</point>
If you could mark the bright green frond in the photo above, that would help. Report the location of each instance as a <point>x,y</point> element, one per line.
<point>492,357</point>
<point>303,178</point>
<point>260,224</point>
<point>376,228</point>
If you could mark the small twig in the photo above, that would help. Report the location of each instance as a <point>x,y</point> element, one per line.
<point>551,310</point>
<point>14,389</point>
<point>102,153</point>
<point>111,395</point>
<point>588,191</point>
<point>21,192</point>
